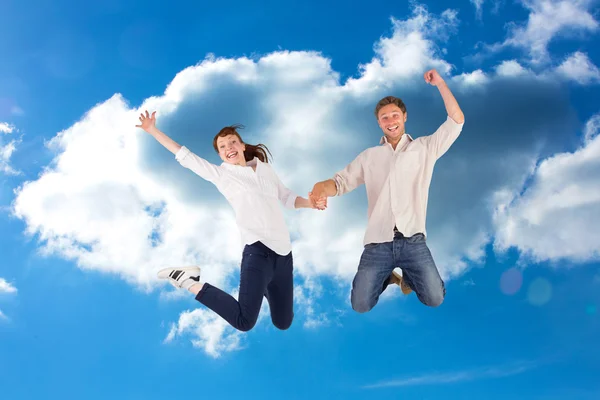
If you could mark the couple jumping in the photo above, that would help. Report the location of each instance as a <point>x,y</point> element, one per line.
<point>396,174</point>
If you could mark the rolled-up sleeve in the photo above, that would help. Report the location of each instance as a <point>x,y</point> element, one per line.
<point>440,141</point>
<point>286,196</point>
<point>198,165</point>
<point>350,177</point>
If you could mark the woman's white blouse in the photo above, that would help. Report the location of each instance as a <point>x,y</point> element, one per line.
<point>254,196</point>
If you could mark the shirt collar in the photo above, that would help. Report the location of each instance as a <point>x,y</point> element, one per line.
<point>405,136</point>
<point>251,163</point>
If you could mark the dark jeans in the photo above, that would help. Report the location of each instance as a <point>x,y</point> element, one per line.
<point>377,262</point>
<point>263,273</point>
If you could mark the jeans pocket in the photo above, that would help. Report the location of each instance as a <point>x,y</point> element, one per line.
<point>255,249</point>
<point>252,253</point>
<point>416,238</point>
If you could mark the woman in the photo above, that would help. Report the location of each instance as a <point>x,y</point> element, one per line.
<point>253,189</point>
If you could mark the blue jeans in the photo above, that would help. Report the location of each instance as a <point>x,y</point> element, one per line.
<point>263,273</point>
<point>377,262</point>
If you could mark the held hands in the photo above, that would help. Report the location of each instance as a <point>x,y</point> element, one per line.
<point>148,121</point>
<point>318,196</point>
<point>433,77</point>
<point>317,202</point>
<point>318,191</point>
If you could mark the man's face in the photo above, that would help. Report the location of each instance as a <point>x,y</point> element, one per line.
<point>391,120</point>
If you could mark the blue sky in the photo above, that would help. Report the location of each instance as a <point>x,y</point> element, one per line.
<point>91,208</point>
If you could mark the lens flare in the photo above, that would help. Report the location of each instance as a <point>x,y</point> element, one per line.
<point>540,292</point>
<point>511,281</point>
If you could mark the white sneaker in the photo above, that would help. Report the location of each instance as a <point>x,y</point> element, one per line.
<point>183,277</point>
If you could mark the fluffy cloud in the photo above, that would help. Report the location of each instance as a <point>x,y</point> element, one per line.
<point>592,127</point>
<point>510,68</point>
<point>478,7</point>
<point>5,127</point>
<point>211,333</point>
<point>407,52</point>
<point>475,78</point>
<point>113,200</point>
<point>6,288</point>
<point>549,19</point>
<point>554,214</point>
<point>306,296</point>
<point>579,68</point>
<point>99,207</point>
<point>7,149</point>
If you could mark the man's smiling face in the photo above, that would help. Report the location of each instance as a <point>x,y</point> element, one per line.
<point>391,120</point>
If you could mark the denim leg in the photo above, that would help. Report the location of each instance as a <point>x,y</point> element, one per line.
<point>256,272</point>
<point>419,269</point>
<point>280,292</point>
<point>376,265</point>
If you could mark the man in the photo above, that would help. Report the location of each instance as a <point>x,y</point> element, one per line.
<point>397,175</point>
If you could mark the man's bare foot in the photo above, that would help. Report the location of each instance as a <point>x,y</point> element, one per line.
<point>396,278</point>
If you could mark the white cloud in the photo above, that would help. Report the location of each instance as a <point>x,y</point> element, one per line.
<point>510,68</point>
<point>458,376</point>
<point>576,67</point>
<point>549,19</point>
<point>305,296</point>
<point>478,7</point>
<point>97,206</point>
<point>580,69</point>
<point>472,79</point>
<point>212,333</point>
<point>407,53</point>
<point>5,127</point>
<point>592,128</point>
<point>553,215</point>
<point>7,150</point>
<point>6,287</point>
